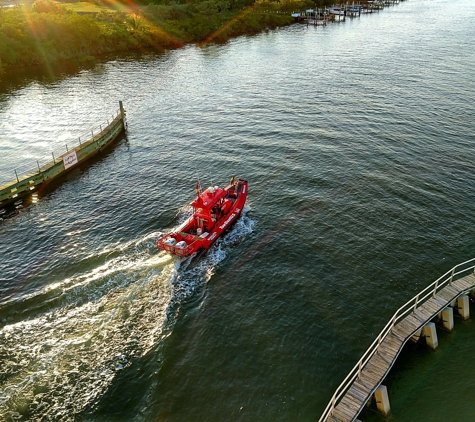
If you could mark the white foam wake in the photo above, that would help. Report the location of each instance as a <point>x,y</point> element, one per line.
<point>57,363</point>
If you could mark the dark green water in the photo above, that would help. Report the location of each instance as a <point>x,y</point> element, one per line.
<point>357,141</point>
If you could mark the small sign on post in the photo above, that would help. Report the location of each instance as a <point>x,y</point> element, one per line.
<point>70,159</point>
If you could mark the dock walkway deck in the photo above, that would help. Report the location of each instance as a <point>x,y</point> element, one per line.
<point>367,375</point>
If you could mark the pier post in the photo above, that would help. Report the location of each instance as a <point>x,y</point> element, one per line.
<point>52,153</point>
<point>382,399</point>
<point>430,333</point>
<point>122,115</point>
<point>447,318</point>
<point>17,179</point>
<point>463,306</point>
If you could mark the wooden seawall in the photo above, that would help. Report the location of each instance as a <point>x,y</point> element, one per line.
<point>411,320</point>
<point>28,183</point>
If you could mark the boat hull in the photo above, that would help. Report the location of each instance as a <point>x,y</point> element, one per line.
<point>185,240</point>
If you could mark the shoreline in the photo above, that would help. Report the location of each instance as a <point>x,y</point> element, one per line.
<point>92,35</point>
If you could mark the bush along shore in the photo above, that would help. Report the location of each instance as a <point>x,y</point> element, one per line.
<point>45,32</point>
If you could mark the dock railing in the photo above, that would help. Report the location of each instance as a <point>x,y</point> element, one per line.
<point>18,172</point>
<point>406,309</point>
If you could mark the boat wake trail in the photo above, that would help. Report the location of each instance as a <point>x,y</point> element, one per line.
<point>79,332</point>
<point>194,275</point>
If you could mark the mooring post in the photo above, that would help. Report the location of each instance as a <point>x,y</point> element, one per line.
<point>430,334</point>
<point>17,179</point>
<point>52,153</point>
<point>447,318</point>
<point>121,106</point>
<point>39,171</point>
<point>382,399</point>
<point>122,115</point>
<point>463,306</point>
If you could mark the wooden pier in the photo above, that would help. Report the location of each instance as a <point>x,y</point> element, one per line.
<point>31,180</point>
<point>339,12</point>
<point>411,321</point>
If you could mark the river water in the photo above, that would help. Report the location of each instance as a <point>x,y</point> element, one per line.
<point>357,142</point>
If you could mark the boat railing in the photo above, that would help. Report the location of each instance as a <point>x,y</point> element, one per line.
<point>13,176</point>
<point>409,307</point>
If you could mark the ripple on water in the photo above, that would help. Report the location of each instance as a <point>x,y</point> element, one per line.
<point>75,335</point>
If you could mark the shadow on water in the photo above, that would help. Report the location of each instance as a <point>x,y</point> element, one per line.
<point>17,79</point>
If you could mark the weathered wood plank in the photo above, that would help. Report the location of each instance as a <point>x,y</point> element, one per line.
<point>346,410</point>
<point>403,329</point>
<point>394,341</point>
<point>360,395</point>
<point>387,355</point>
<point>464,283</point>
<point>339,416</point>
<point>362,389</point>
<point>423,315</point>
<point>375,365</point>
<point>453,289</point>
<point>352,405</point>
<point>448,295</point>
<point>369,378</point>
<point>387,352</point>
<point>431,308</point>
<point>441,301</point>
<point>470,278</point>
<point>371,374</point>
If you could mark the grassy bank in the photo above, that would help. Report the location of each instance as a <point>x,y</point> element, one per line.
<point>45,32</point>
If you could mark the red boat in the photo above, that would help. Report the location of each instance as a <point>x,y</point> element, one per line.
<point>214,211</point>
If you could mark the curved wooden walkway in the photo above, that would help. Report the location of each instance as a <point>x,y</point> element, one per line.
<point>367,375</point>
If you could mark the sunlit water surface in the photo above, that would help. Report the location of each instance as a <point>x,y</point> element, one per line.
<point>357,141</point>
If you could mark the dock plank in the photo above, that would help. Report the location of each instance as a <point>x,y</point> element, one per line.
<point>442,302</point>
<point>464,283</point>
<point>446,295</point>
<point>431,308</point>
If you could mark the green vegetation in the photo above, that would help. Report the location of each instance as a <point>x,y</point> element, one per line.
<point>46,32</point>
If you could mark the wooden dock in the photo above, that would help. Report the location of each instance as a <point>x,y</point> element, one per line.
<point>350,9</point>
<point>367,375</point>
<point>30,181</point>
